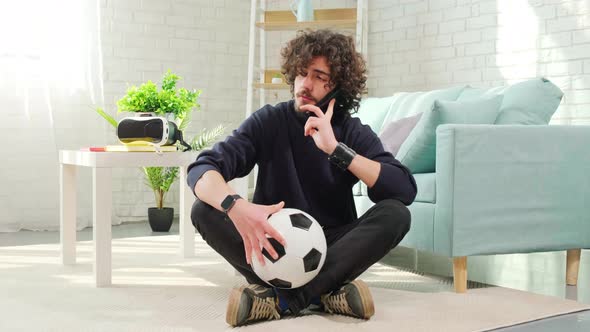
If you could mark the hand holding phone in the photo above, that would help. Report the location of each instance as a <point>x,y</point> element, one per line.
<point>324,102</point>
<point>319,125</point>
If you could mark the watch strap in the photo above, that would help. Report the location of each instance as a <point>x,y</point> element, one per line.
<point>342,156</point>
<point>229,202</point>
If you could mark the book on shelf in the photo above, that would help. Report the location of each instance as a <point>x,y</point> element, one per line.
<point>93,149</point>
<point>130,148</point>
<point>139,148</point>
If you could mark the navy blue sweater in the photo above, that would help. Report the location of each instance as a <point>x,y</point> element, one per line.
<point>293,169</point>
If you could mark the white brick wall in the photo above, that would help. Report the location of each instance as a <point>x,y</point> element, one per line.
<point>420,45</point>
<point>275,40</point>
<point>43,107</point>
<point>413,45</point>
<point>203,41</point>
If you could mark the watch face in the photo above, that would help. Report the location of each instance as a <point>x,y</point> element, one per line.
<point>228,202</point>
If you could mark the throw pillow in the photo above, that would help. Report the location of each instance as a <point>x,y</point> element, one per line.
<point>372,111</point>
<point>419,149</point>
<point>396,132</point>
<point>406,104</point>
<point>528,102</point>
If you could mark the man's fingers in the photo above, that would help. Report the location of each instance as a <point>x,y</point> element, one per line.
<point>307,130</point>
<point>271,209</point>
<point>272,232</point>
<point>258,253</point>
<point>313,109</point>
<point>330,111</point>
<point>313,121</point>
<point>248,250</point>
<point>311,127</point>
<point>268,229</point>
<point>268,246</point>
<point>255,249</point>
<point>277,207</point>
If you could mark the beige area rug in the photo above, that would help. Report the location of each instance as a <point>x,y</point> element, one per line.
<point>156,290</point>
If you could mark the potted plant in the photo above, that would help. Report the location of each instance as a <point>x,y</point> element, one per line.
<point>171,103</point>
<point>159,179</point>
<point>277,78</point>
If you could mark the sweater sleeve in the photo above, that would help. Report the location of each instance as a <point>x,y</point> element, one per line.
<point>232,158</point>
<point>394,180</point>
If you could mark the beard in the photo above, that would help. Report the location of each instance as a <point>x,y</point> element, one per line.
<point>305,94</point>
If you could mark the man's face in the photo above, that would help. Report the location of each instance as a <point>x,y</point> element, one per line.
<point>313,84</point>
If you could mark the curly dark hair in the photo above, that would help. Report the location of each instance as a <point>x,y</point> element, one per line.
<point>348,70</point>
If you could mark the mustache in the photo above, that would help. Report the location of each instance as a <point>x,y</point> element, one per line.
<point>305,94</point>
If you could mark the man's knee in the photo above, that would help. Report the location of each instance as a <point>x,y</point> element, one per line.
<point>394,216</point>
<point>201,212</point>
<point>197,212</point>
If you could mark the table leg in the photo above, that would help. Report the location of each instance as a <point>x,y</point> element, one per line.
<point>187,230</point>
<point>101,223</point>
<point>67,213</point>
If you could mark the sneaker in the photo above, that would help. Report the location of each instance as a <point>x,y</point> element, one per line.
<point>353,299</point>
<point>252,303</point>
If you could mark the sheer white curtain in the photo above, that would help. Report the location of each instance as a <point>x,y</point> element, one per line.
<point>50,83</point>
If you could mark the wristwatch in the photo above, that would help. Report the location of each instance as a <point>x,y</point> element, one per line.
<point>229,202</point>
<point>342,156</point>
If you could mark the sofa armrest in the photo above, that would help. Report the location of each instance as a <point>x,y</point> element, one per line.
<point>511,188</point>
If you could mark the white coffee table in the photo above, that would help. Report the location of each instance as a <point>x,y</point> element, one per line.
<point>101,164</point>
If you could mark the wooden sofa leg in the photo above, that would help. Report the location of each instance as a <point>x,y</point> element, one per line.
<point>572,266</point>
<point>460,274</point>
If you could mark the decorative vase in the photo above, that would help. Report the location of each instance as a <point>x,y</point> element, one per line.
<point>144,114</point>
<point>160,219</point>
<point>303,10</point>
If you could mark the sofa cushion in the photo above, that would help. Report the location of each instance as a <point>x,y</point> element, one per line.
<point>360,189</point>
<point>426,183</point>
<point>395,133</point>
<point>421,235</point>
<point>372,111</point>
<point>405,104</point>
<point>528,102</point>
<point>419,149</point>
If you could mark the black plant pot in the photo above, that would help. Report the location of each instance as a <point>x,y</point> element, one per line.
<point>160,219</point>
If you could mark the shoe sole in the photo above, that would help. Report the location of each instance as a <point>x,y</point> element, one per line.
<point>231,315</point>
<point>366,298</point>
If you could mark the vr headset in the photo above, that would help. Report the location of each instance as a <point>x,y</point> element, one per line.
<point>148,129</point>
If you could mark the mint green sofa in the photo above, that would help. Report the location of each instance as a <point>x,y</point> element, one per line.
<point>512,184</point>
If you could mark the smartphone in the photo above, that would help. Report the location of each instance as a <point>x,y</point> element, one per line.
<point>324,102</point>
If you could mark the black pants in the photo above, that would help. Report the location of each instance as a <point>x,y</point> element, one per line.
<point>352,248</point>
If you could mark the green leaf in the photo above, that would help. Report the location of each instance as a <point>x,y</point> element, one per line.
<point>142,99</point>
<point>107,117</point>
<point>147,98</point>
<point>169,99</point>
<point>159,179</point>
<point>206,138</point>
<point>169,81</point>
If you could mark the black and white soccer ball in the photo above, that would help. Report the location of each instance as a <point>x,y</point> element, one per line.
<point>303,256</point>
